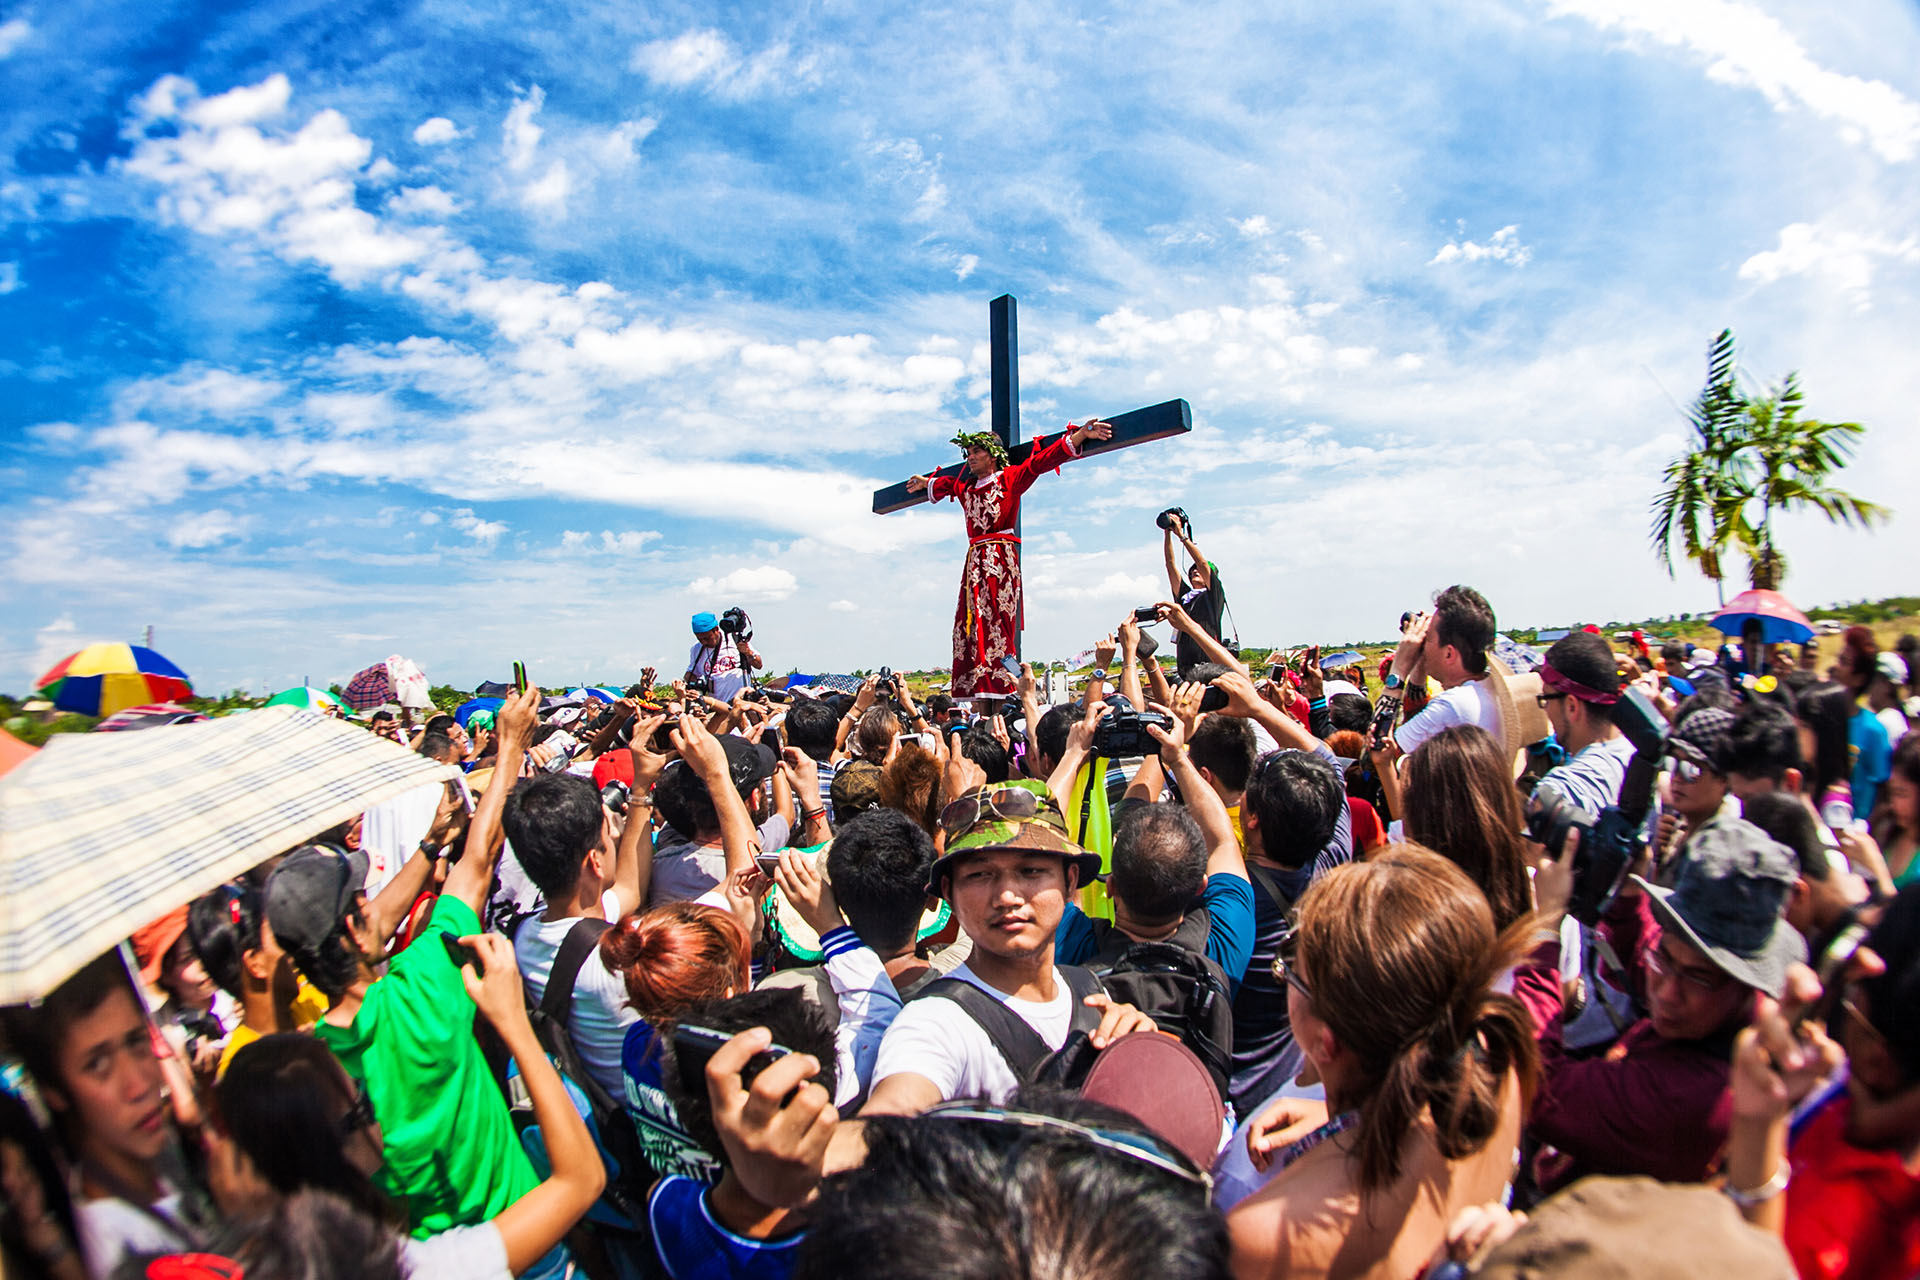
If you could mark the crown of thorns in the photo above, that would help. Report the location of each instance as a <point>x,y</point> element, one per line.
<point>983,440</point>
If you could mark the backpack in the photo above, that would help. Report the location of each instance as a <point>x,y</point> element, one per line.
<point>1174,982</point>
<point>623,1203</point>
<point>1031,1061</point>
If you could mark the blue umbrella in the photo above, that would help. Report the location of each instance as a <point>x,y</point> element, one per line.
<point>471,705</point>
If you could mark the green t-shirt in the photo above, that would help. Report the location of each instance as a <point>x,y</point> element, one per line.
<point>453,1158</point>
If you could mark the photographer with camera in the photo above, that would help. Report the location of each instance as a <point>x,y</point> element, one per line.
<point>1696,955</point>
<point>722,658</point>
<point>1198,591</point>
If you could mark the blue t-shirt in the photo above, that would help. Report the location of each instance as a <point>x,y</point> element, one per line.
<point>663,1139</point>
<point>1229,904</point>
<point>1872,759</point>
<point>693,1246</point>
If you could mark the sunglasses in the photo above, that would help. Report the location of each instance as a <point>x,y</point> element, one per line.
<point>360,1115</point>
<point>1014,803</point>
<point>1133,1146</point>
<point>1544,698</point>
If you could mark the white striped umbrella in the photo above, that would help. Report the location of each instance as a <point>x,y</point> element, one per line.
<point>103,833</point>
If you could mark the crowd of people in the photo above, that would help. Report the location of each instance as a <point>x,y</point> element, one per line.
<point>1482,961</point>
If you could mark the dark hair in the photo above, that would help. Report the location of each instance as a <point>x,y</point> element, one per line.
<point>1827,709</point>
<point>1226,748</point>
<point>281,1101</point>
<point>1764,742</point>
<point>554,820</point>
<point>1585,657</point>
<point>938,705</point>
<point>439,723</point>
<point>1461,803</point>
<point>878,864</point>
<point>308,1236</point>
<point>812,727</point>
<point>333,964</point>
<point>35,1033</point>
<point>1400,955</point>
<point>1463,618</point>
<point>994,1200</point>
<point>980,746</point>
<point>675,955</point>
<point>1050,735</point>
<point>1350,711</point>
<point>684,801</point>
<point>1788,820</point>
<point>1159,862</point>
<point>1297,799</point>
<point>435,745</point>
<point>1906,765</point>
<point>1893,998</point>
<point>1674,654</point>
<point>910,784</point>
<point>1703,696</point>
<point>797,1023</point>
<point>41,1164</point>
<point>223,925</point>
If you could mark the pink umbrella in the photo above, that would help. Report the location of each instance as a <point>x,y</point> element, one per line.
<point>1780,622</point>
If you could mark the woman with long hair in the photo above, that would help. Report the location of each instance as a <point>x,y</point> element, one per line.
<point>286,1118</point>
<point>1823,713</point>
<point>1428,1073</point>
<point>1461,803</point>
<point>671,957</point>
<point>1896,819</point>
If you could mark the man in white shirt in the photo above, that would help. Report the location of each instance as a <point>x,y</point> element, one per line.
<point>723,660</point>
<point>1450,645</point>
<point>1008,872</point>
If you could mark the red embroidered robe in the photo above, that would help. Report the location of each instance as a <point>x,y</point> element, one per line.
<point>988,618</point>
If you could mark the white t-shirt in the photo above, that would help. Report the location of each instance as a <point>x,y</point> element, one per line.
<point>394,828</point>
<point>109,1229</point>
<point>601,1016</point>
<point>474,1253</point>
<point>1895,723</point>
<point>1469,702</point>
<point>722,666</point>
<point>937,1039</point>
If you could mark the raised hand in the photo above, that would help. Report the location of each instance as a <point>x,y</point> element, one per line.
<point>775,1132</point>
<point>916,484</point>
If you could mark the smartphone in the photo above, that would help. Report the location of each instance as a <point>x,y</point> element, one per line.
<point>464,791</point>
<point>924,740</point>
<point>520,676</point>
<point>767,861</point>
<point>1146,613</point>
<point>1011,663</point>
<point>461,953</point>
<point>694,1046</point>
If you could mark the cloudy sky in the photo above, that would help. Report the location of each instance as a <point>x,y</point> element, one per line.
<point>479,331</point>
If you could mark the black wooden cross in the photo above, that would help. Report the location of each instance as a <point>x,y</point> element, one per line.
<point>1156,422</point>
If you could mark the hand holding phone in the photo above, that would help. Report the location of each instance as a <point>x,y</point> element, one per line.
<point>520,676</point>
<point>694,1046</point>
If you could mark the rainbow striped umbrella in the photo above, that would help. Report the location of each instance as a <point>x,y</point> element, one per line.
<point>104,678</point>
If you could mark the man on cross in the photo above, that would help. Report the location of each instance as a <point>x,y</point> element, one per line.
<point>987,620</point>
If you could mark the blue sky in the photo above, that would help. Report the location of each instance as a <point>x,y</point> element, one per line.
<point>479,331</point>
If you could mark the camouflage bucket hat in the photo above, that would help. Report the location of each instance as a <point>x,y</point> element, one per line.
<point>1010,815</point>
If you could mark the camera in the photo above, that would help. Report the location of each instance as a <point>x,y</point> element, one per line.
<point>736,623</point>
<point>699,684</point>
<point>614,795</point>
<point>1166,520</point>
<point>886,674</point>
<point>1611,839</point>
<point>1124,731</point>
<point>1147,613</point>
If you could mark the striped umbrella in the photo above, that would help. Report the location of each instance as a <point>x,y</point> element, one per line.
<point>104,678</point>
<point>149,717</point>
<point>101,834</point>
<point>305,695</point>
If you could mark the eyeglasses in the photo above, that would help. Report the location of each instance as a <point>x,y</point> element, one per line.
<point>1544,698</point>
<point>1007,802</point>
<point>1286,970</point>
<point>360,1115</point>
<point>1662,965</point>
<point>1134,1146</point>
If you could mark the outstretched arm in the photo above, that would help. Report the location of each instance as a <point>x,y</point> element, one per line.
<point>1173,566</point>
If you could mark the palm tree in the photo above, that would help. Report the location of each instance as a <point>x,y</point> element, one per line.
<point>1748,450</point>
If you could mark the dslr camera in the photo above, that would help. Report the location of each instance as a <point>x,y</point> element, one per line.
<point>1124,731</point>
<point>736,623</point>
<point>1165,520</point>
<point>1613,838</point>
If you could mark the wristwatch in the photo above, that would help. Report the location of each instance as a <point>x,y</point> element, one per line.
<point>1099,673</point>
<point>1393,681</point>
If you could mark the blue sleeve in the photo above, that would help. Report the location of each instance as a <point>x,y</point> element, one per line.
<point>1230,938</point>
<point>1073,941</point>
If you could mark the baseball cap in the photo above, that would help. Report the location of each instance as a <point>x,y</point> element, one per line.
<point>1892,666</point>
<point>1707,732</point>
<point>855,789</point>
<point>309,892</point>
<point>1729,903</point>
<point>1636,1229</point>
<point>704,622</point>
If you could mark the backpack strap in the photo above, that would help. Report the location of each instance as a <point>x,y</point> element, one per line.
<point>557,1002</point>
<point>1265,878</point>
<point>1025,1052</point>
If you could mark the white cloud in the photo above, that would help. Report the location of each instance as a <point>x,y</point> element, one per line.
<point>621,145</point>
<point>13,34</point>
<point>484,532</point>
<point>243,105</point>
<point>842,606</point>
<point>435,131</point>
<point>1503,246</point>
<point>706,57</point>
<point>429,518</point>
<point>1747,48</point>
<point>206,529</point>
<point>1255,228</point>
<point>52,643</point>
<point>626,542</point>
<point>519,135</point>
<point>550,193</point>
<point>1845,259</point>
<point>965,267</point>
<point>422,202</point>
<point>10,277</point>
<point>761,582</point>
